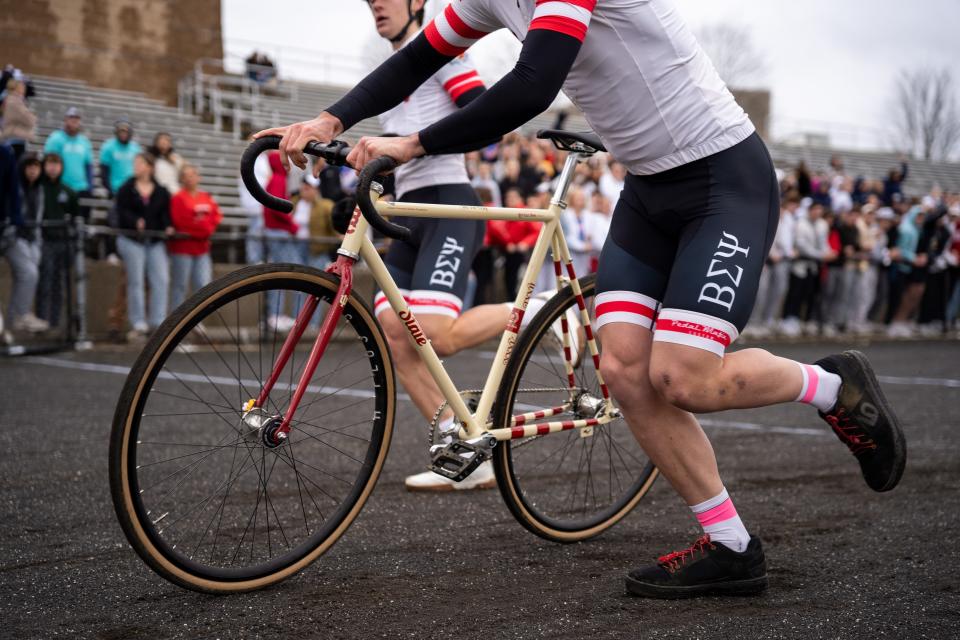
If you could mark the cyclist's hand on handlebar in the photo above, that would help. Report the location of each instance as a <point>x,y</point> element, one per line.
<point>402,149</point>
<point>324,128</point>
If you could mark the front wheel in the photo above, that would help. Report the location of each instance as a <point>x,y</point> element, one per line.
<point>204,496</point>
<point>571,485</point>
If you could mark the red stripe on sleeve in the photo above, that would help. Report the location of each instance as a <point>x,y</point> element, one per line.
<point>589,5</point>
<point>561,24</point>
<point>455,80</point>
<point>437,42</point>
<point>461,89</point>
<point>461,27</point>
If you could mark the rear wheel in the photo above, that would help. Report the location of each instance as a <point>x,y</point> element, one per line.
<point>203,495</point>
<point>564,486</point>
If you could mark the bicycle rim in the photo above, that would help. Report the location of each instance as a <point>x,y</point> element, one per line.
<point>563,486</point>
<point>201,496</point>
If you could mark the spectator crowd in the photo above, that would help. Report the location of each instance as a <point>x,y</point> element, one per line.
<point>162,220</point>
<point>853,254</point>
<point>859,255</point>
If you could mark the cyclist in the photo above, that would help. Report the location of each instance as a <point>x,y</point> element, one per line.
<point>432,269</point>
<point>689,235</point>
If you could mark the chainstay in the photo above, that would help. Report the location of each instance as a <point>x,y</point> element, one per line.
<point>432,431</point>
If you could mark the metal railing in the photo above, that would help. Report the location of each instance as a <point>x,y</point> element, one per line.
<point>210,89</point>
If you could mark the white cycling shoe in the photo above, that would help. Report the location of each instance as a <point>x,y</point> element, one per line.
<point>482,478</point>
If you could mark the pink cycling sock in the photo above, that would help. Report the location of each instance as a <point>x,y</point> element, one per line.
<point>720,521</point>
<point>820,387</point>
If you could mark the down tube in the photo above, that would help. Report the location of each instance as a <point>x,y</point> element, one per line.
<point>382,277</point>
<point>509,339</point>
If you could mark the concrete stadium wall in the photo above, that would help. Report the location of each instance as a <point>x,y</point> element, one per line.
<point>141,45</point>
<point>757,106</point>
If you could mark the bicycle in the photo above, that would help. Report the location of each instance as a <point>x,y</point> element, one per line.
<point>225,479</point>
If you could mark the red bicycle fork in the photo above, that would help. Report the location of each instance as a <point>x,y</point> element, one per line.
<point>343,267</point>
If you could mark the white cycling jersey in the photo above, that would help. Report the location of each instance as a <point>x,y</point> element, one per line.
<point>640,78</point>
<point>434,100</point>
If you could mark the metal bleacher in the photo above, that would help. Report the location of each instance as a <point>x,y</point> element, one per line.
<point>875,165</point>
<point>214,152</point>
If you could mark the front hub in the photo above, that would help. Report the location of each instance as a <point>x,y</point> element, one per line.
<point>271,435</point>
<point>264,427</point>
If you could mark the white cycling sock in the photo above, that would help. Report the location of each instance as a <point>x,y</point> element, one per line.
<point>720,521</point>
<point>820,387</point>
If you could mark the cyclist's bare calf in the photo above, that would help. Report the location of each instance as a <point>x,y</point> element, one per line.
<point>671,436</point>
<point>448,336</point>
<point>699,381</point>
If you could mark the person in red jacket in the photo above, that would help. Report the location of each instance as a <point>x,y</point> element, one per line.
<point>515,238</point>
<point>194,214</point>
<point>280,232</point>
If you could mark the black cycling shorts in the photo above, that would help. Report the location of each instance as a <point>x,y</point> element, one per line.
<point>433,268</point>
<point>686,248</point>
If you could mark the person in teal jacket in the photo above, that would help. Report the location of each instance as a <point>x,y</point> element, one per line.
<point>908,237</point>
<point>913,271</point>
<point>76,152</point>
<point>116,157</point>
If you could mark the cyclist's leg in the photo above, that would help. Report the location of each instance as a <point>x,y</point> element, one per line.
<point>680,203</point>
<point>713,286</point>
<point>628,290</point>
<point>437,280</point>
<point>708,300</point>
<point>438,276</point>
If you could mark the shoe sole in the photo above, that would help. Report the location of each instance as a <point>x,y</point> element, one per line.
<point>444,488</point>
<point>899,440</point>
<point>752,586</point>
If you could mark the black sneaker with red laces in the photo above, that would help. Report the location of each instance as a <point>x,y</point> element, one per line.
<point>706,568</point>
<point>864,421</point>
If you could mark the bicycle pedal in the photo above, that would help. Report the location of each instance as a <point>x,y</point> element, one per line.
<point>456,460</point>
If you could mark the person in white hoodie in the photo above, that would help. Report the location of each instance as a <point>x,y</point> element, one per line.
<point>812,249</point>
<point>775,278</point>
<point>254,210</point>
<point>585,232</point>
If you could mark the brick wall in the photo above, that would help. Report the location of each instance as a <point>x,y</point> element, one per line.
<point>142,45</point>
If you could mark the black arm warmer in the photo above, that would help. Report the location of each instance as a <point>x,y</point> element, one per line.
<point>469,96</point>
<point>390,83</point>
<point>465,99</point>
<point>525,92</point>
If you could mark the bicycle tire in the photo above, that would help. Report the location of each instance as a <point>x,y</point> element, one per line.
<point>142,389</point>
<point>526,502</point>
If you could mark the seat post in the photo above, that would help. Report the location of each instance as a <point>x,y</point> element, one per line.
<point>566,177</point>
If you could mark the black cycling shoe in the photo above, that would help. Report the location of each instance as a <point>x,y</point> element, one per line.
<point>703,569</point>
<point>864,421</point>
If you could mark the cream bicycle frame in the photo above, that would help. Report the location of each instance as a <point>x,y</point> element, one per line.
<point>357,244</point>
